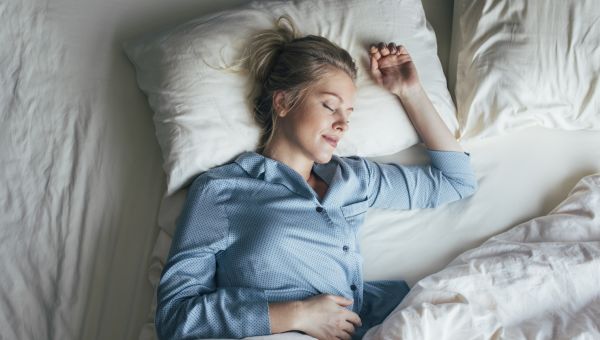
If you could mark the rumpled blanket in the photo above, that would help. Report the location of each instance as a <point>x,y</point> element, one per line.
<point>538,280</point>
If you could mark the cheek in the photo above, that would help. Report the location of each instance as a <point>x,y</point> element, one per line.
<point>313,125</point>
<point>321,127</point>
<point>307,125</point>
<point>322,121</point>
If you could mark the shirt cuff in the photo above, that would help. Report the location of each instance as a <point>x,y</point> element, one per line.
<point>249,311</point>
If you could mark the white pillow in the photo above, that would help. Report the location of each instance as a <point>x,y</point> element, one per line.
<point>523,63</point>
<point>202,116</point>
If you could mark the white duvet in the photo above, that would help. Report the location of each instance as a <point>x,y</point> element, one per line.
<point>539,280</point>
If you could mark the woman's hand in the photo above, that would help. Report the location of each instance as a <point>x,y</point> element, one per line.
<point>393,68</point>
<point>324,317</point>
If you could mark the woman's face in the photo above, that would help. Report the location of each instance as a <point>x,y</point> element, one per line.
<point>315,126</point>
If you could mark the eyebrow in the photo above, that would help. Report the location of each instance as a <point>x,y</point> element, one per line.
<point>338,96</point>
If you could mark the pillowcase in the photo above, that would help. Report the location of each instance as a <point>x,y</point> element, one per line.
<point>202,115</point>
<point>523,63</point>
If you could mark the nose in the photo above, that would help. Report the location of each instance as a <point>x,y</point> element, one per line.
<point>341,124</point>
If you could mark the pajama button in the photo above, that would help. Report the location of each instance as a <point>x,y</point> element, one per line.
<point>319,209</point>
<point>353,287</point>
<point>345,248</point>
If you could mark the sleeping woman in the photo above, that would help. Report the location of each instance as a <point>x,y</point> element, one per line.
<point>268,243</point>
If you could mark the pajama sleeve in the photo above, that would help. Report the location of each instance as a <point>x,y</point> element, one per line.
<point>190,305</point>
<point>447,178</point>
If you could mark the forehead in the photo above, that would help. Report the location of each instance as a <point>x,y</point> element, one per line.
<point>338,82</point>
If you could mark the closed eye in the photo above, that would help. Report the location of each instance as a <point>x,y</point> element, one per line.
<point>332,110</point>
<point>328,108</point>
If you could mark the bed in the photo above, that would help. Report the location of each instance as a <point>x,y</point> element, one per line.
<point>87,209</point>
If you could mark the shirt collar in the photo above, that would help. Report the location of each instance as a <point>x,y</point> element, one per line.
<point>252,162</point>
<point>273,171</point>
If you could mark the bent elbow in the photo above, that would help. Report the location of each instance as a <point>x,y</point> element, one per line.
<point>163,324</point>
<point>168,321</point>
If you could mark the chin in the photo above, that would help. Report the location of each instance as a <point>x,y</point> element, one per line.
<point>323,158</point>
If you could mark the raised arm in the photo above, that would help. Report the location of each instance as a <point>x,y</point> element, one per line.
<point>189,303</point>
<point>393,68</point>
<point>450,176</point>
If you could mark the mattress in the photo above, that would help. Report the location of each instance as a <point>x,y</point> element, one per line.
<point>82,188</point>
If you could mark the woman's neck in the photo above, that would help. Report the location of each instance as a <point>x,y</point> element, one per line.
<point>292,158</point>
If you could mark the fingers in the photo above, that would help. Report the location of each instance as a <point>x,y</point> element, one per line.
<point>382,56</point>
<point>348,328</point>
<point>345,332</point>
<point>352,322</point>
<point>344,336</point>
<point>401,50</point>
<point>340,300</point>
<point>374,52</point>
<point>392,48</point>
<point>374,65</point>
<point>354,319</point>
<point>382,50</point>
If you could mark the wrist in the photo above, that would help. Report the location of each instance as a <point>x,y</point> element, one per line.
<point>285,316</point>
<point>297,308</point>
<point>408,91</point>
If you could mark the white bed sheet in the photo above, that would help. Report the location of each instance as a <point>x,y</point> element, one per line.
<point>80,176</point>
<point>81,180</point>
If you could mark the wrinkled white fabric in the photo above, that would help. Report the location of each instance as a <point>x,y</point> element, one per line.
<point>539,280</point>
<point>527,63</point>
<point>80,177</point>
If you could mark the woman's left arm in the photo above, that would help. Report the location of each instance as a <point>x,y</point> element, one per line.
<point>426,120</point>
<point>450,176</point>
<point>393,68</point>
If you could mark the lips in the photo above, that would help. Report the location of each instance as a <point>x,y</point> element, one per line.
<point>333,141</point>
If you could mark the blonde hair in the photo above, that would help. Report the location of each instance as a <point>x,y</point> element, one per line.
<point>278,59</point>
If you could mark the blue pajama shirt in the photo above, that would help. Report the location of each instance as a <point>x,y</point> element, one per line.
<point>253,232</point>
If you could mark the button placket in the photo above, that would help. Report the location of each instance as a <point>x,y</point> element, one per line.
<point>323,213</point>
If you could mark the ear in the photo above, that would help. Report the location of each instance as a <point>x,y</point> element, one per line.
<point>279,103</point>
